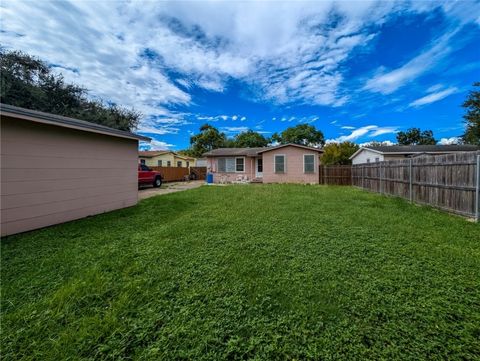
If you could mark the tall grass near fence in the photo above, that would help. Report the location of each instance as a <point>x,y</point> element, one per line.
<point>449,182</point>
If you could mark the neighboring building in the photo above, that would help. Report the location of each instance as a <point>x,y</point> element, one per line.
<point>395,152</point>
<point>201,162</point>
<point>184,161</point>
<point>165,158</point>
<point>56,169</point>
<point>289,163</point>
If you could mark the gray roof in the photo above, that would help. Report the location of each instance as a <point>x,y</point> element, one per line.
<point>222,152</point>
<point>48,118</point>
<point>250,152</point>
<point>268,149</point>
<point>410,149</point>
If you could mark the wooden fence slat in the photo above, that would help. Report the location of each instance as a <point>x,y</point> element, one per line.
<point>335,174</point>
<point>171,174</point>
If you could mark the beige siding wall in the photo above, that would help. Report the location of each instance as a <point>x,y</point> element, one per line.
<point>153,161</point>
<point>293,166</point>
<point>51,174</point>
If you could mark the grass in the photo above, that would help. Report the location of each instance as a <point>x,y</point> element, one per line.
<point>270,272</point>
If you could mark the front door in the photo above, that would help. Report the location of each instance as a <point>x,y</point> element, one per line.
<point>259,167</point>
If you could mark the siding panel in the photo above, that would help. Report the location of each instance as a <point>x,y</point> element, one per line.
<point>293,166</point>
<point>51,174</point>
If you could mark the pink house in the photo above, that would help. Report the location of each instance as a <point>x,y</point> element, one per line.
<point>288,163</point>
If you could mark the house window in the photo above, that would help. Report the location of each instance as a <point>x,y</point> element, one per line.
<point>279,163</point>
<point>377,159</point>
<point>231,165</point>
<point>142,161</point>
<point>179,164</point>
<point>309,163</point>
<point>239,164</point>
<point>368,160</point>
<point>188,164</point>
<point>169,164</point>
<point>159,163</point>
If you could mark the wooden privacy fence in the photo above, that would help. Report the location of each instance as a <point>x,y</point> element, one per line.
<point>171,174</point>
<point>335,174</point>
<point>450,182</point>
<point>200,172</point>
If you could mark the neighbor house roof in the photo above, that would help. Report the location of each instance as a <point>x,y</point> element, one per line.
<point>61,121</point>
<point>251,152</point>
<point>152,153</point>
<point>417,149</point>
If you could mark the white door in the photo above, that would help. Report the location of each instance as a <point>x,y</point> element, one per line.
<point>258,167</point>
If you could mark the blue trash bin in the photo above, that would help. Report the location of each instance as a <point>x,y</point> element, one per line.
<point>209,178</point>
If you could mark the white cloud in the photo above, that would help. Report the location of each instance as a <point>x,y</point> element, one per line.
<point>452,140</point>
<point>235,117</point>
<point>434,88</point>
<point>386,82</point>
<point>370,131</point>
<point>433,97</point>
<point>243,119</point>
<point>384,142</point>
<point>286,52</point>
<point>233,130</point>
<point>155,144</point>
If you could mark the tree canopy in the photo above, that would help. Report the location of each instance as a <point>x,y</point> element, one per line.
<point>304,134</point>
<point>414,136</point>
<point>250,138</point>
<point>472,117</point>
<point>338,153</point>
<point>29,82</point>
<point>208,139</point>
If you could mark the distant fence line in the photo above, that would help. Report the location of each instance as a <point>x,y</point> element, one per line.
<point>174,174</point>
<point>450,182</point>
<point>340,175</point>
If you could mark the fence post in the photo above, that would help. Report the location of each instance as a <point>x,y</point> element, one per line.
<point>363,176</point>
<point>410,187</point>
<point>324,174</point>
<point>380,177</point>
<point>477,190</point>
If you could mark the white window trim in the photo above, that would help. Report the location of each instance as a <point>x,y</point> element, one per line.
<point>275,163</point>
<point>243,171</point>
<point>314,164</point>
<point>235,165</point>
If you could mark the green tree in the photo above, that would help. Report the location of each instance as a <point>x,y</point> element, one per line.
<point>28,82</point>
<point>414,136</point>
<point>472,117</point>
<point>338,153</point>
<point>209,138</point>
<point>304,134</point>
<point>250,138</point>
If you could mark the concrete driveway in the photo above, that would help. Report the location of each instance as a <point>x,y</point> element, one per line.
<point>166,188</point>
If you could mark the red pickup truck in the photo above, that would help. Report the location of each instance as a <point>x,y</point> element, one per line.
<point>148,176</point>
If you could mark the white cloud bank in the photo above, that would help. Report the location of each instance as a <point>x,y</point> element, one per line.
<point>149,55</point>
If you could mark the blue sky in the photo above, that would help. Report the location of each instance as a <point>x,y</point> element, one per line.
<point>358,70</point>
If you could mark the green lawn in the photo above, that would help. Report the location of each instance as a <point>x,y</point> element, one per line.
<point>268,272</point>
